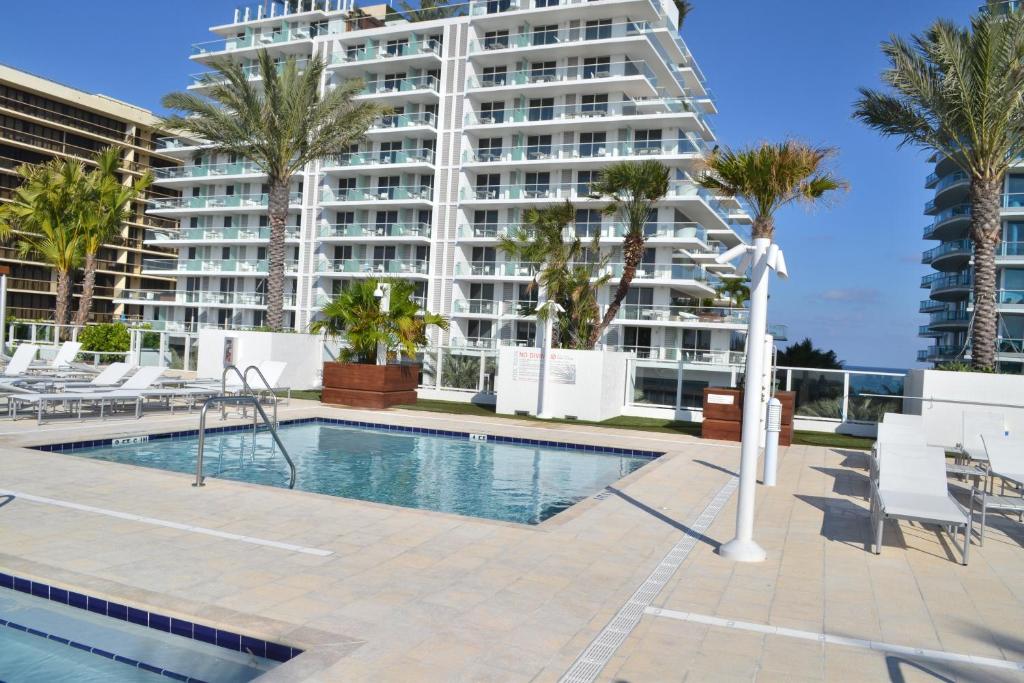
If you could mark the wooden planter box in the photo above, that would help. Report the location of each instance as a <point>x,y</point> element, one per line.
<point>723,420</point>
<point>369,386</point>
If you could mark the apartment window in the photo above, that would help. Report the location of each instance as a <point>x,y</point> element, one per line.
<point>396,47</point>
<point>638,340</point>
<point>261,254</point>
<point>487,185</point>
<point>538,147</point>
<point>588,222</point>
<point>227,221</point>
<point>193,222</point>
<point>393,81</point>
<point>583,181</point>
<point>479,330</point>
<point>545,35</point>
<point>386,186</point>
<point>647,141</point>
<point>546,3</point>
<point>481,291</point>
<point>527,296</point>
<point>345,186</point>
<point>495,6</point>
<point>489,149</point>
<point>264,221</point>
<point>598,30</point>
<point>494,76</point>
<point>485,223</point>
<point>526,331</point>
<point>482,260</point>
<point>594,105</point>
<point>640,296</point>
<point>343,252</point>
<point>593,144</point>
<point>492,112</point>
<point>225,253</point>
<point>382,257</point>
<point>542,72</point>
<point>389,151</point>
<point>384,222</point>
<point>542,109</point>
<point>597,67</point>
<point>538,184</point>
<point>496,40</point>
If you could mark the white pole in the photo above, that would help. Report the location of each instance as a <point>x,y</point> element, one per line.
<point>743,548</point>
<point>545,353</point>
<point>385,306</point>
<point>3,314</point>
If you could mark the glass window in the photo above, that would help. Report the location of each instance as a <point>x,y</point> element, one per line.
<point>538,147</point>
<point>537,184</point>
<point>542,72</point>
<point>496,40</point>
<point>593,144</point>
<point>597,67</point>
<point>492,112</point>
<point>494,76</point>
<point>594,104</point>
<point>598,30</point>
<point>542,109</point>
<point>545,35</point>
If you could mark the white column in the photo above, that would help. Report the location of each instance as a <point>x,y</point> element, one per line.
<point>743,548</point>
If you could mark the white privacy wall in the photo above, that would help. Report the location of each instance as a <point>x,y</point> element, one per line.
<point>959,392</point>
<point>302,352</point>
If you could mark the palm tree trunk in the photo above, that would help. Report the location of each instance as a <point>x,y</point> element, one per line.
<point>88,287</point>
<point>63,300</point>
<point>632,254</point>
<point>277,210</point>
<point>986,227</point>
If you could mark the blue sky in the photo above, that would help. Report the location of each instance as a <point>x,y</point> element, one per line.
<point>777,69</point>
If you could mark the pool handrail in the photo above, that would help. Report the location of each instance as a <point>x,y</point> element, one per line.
<point>270,389</point>
<point>248,398</point>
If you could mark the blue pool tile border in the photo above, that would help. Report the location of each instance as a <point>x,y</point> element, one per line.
<point>491,438</point>
<point>228,640</point>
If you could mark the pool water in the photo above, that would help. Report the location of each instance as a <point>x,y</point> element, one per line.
<point>512,482</point>
<point>41,640</point>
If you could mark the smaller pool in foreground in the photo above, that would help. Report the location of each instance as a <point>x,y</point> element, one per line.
<point>520,481</point>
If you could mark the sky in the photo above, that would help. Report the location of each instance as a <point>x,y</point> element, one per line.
<point>778,69</point>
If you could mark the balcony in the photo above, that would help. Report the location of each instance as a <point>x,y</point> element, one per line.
<point>948,222</point>
<point>720,357</point>
<point>961,249</point>
<point>271,36</point>
<point>930,305</point>
<point>389,121</point>
<point>380,194</point>
<point>699,315</point>
<point>413,48</point>
<point>566,36</point>
<point>258,234</point>
<point>206,79</point>
<point>1010,297</point>
<point>372,267</point>
<point>948,286</point>
<point>219,202</point>
<point>585,231</point>
<point>574,75</point>
<point>193,171</point>
<point>403,156</point>
<point>391,86</point>
<point>656,271</point>
<point>595,151</point>
<point>230,265</point>
<point>371,230</point>
<point>496,269</point>
<point>201,298</point>
<point>481,8</point>
<point>1011,249</point>
<point>939,353</point>
<point>582,112</point>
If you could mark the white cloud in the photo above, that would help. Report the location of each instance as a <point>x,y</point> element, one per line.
<point>852,295</point>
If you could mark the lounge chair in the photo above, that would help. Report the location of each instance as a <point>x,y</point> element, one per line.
<point>20,362</point>
<point>142,379</point>
<point>1006,460</point>
<point>971,446</point>
<point>912,486</point>
<point>129,392</point>
<point>110,377</point>
<point>892,436</point>
<point>64,357</point>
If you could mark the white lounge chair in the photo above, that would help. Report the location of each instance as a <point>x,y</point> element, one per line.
<point>142,379</point>
<point>64,357</point>
<point>971,446</point>
<point>129,392</point>
<point>1006,460</point>
<point>912,486</point>
<point>20,362</point>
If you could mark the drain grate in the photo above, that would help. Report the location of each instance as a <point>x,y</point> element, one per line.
<point>591,662</point>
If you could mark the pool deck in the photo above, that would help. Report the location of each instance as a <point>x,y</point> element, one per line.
<point>624,586</point>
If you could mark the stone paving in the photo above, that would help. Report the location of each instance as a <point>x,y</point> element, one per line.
<point>410,595</point>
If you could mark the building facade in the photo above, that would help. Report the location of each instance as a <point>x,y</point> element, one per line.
<point>950,287</point>
<point>506,105</point>
<point>41,120</point>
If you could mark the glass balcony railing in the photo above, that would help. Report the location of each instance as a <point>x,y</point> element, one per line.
<point>946,249</point>
<point>1011,248</point>
<point>1011,297</point>
<point>409,48</point>
<point>953,212</point>
<point>375,230</point>
<point>591,150</point>
<point>386,86</point>
<point>392,193</point>
<point>375,266</point>
<point>497,269</point>
<point>270,36</point>
<point>221,234</point>
<point>213,298</point>
<point>476,306</point>
<point>420,118</point>
<point>657,271</point>
<point>929,305</point>
<point>618,69</point>
<point>227,201</point>
<point>401,156</point>
<point>483,7</point>
<point>565,36</point>
<point>207,170</point>
<point>938,281</point>
<point>940,317</point>
<point>950,180</point>
<point>701,314</point>
<point>585,231</point>
<point>229,265</point>
<point>581,111</point>
<point>251,71</point>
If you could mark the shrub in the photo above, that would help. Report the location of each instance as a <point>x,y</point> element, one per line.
<point>107,337</point>
<point>960,366</point>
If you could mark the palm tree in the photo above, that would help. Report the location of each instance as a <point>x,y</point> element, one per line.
<point>279,122</point>
<point>684,7</point>
<point>633,188</point>
<point>569,274</point>
<point>355,315</point>
<point>47,211</point>
<point>805,354</point>
<point>106,210</point>
<point>428,10</point>
<point>771,176</point>
<point>737,290</point>
<point>960,92</point>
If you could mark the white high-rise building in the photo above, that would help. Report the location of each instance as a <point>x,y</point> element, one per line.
<point>506,105</point>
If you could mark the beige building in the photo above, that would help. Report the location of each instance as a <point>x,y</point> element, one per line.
<point>41,119</point>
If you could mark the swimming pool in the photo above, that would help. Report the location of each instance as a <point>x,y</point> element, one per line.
<point>517,480</point>
<point>53,638</point>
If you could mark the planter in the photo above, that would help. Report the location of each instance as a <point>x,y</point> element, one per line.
<point>369,386</point>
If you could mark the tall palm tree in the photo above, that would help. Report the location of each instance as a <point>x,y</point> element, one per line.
<point>47,212</point>
<point>960,92</point>
<point>571,273</point>
<point>109,201</point>
<point>737,290</point>
<point>633,188</point>
<point>281,123</point>
<point>428,10</point>
<point>355,315</point>
<point>770,176</point>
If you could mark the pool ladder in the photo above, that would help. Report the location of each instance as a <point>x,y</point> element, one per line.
<point>248,397</point>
